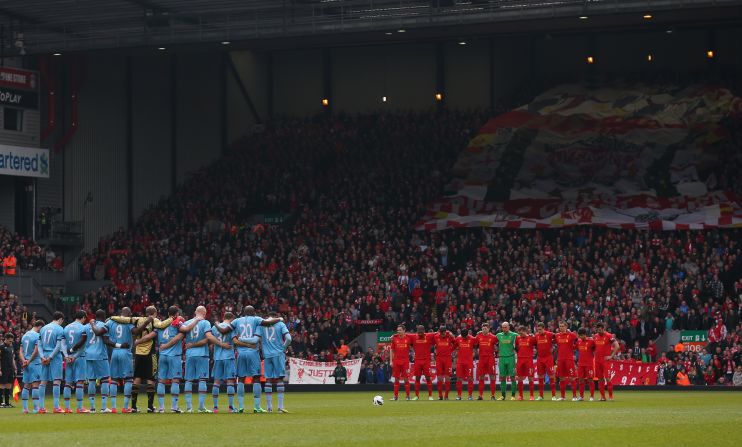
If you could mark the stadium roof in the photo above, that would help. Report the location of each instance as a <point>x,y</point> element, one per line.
<point>48,26</point>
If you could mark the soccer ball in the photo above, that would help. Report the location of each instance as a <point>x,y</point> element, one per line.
<point>378,400</point>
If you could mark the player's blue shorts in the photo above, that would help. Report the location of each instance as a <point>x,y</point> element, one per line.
<point>248,363</point>
<point>32,373</point>
<point>223,370</point>
<point>275,367</point>
<point>122,364</point>
<point>98,369</point>
<point>170,367</point>
<point>196,368</point>
<point>52,371</point>
<point>76,371</point>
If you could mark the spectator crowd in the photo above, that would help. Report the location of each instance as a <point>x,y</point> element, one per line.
<point>346,258</point>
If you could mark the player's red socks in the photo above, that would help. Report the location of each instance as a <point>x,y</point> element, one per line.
<point>458,388</point>
<point>396,389</point>
<point>440,387</point>
<point>592,388</point>
<point>417,387</point>
<point>448,387</point>
<point>562,388</point>
<point>582,389</point>
<point>428,381</point>
<point>530,386</point>
<point>573,385</point>
<point>553,388</point>
<point>481,386</point>
<point>470,387</point>
<point>610,390</point>
<point>541,388</point>
<point>601,387</point>
<point>407,389</point>
<point>520,389</point>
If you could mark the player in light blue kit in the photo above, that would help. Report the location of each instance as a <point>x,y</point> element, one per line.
<point>53,351</point>
<point>248,358</point>
<point>75,368</point>
<point>170,365</point>
<point>198,336</point>
<point>274,341</point>
<point>224,368</point>
<point>31,364</point>
<point>120,337</point>
<point>96,359</point>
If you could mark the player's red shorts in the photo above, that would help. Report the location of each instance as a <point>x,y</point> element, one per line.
<point>401,370</point>
<point>463,370</point>
<point>486,367</point>
<point>524,368</point>
<point>565,367</point>
<point>602,370</point>
<point>421,369</point>
<point>545,366</point>
<point>443,366</point>
<point>585,372</point>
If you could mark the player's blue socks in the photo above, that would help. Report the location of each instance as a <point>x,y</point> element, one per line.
<point>24,397</point>
<point>280,389</point>
<point>104,390</point>
<point>257,390</point>
<point>79,395</point>
<point>230,395</point>
<point>42,395</point>
<point>113,391</point>
<point>127,393</point>
<point>175,392</point>
<point>55,395</point>
<point>161,395</point>
<point>67,393</point>
<point>201,394</point>
<point>215,395</point>
<point>268,396</point>
<point>91,393</point>
<point>35,398</point>
<point>189,395</point>
<point>240,393</point>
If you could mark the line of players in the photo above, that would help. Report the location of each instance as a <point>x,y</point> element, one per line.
<point>78,353</point>
<point>516,359</point>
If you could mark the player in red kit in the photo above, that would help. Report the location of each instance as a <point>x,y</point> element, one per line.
<point>464,362</point>
<point>421,344</point>
<point>545,360</point>
<point>401,361</point>
<point>486,341</point>
<point>606,348</point>
<point>524,363</point>
<point>565,341</point>
<point>445,343</point>
<point>585,362</point>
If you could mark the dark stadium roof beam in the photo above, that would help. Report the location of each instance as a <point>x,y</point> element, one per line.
<point>41,24</point>
<point>174,15</point>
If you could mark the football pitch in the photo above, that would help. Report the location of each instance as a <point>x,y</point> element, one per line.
<point>328,419</point>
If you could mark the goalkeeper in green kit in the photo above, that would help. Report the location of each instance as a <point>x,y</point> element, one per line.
<point>506,365</point>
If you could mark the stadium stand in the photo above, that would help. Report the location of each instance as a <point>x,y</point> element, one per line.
<point>348,259</point>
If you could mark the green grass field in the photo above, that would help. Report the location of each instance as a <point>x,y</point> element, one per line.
<point>635,418</point>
